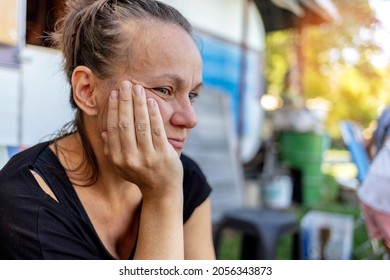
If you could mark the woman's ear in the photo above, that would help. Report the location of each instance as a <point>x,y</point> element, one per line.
<point>84,85</point>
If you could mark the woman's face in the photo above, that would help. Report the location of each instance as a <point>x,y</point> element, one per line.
<point>168,65</point>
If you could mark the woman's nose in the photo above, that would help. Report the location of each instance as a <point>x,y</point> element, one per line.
<point>184,114</point>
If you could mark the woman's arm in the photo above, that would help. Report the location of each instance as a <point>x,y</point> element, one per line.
<point>198,238</point>
<point>136,144</point>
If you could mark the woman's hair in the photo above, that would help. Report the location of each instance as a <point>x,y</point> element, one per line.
<point>95,34</point>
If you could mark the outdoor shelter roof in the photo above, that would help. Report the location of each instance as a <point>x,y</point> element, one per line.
<point>284,14</point>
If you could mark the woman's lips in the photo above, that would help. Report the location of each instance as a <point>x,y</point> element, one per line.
<point>176,143</point>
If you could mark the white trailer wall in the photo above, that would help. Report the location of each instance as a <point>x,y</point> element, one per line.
<point>234,23</point>
<point>45,104</point>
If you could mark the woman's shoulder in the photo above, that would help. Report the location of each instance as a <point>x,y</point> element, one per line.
<point>195,186</point>
<point>192,170</point>
<point>190,165</point>
<point>15,176</point>
<point>22,158</point>
<point>25,156</point>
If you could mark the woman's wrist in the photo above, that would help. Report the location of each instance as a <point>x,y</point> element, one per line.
<point>167,200</point>
<point>161,233</point>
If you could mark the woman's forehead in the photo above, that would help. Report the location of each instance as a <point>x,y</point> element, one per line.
<point>163,39</point>
<point>165,48</point>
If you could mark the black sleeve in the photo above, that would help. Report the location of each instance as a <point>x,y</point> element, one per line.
<point>195,186</point>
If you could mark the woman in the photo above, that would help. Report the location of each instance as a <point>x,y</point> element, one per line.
<point>115,185</point>
<point>374,192</point>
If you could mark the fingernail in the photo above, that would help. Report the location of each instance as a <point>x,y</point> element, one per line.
<point>125,86</point>
<point>114,95</point>
<point>137,90</point>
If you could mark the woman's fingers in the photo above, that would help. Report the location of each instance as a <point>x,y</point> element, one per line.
<point>125,120</point>
<point>141,120</point>
<point>111,137</point>
<point>159,137</point>
<point>134,124</point>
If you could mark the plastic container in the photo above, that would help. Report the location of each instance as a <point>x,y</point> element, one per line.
<point>312,195</point>
<point>326,236</point>
<point>303,141</point>
<point>304,151</point>
<point>277,192</point>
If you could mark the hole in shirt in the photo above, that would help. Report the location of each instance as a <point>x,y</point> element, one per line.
<point>41,182</point>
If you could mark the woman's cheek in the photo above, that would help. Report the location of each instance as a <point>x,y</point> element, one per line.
<point>165,109</point>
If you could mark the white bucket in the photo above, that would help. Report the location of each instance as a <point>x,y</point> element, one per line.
<point>277,192</point>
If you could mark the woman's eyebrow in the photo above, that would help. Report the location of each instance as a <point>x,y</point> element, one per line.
<point>177,79</point>
<point>199,86</point>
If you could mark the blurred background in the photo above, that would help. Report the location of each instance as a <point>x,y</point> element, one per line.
<point>281,78</point>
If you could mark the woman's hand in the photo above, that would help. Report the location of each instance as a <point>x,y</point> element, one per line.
<point>136,143</point>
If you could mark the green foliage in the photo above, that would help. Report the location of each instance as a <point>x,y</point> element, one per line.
<point>336,64</point>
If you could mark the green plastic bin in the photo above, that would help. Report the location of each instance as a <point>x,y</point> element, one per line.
<point>304,151</point>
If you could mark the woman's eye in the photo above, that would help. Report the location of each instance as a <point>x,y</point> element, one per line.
<point>193,96</point>
<point>162,91</point>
